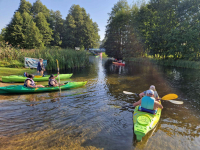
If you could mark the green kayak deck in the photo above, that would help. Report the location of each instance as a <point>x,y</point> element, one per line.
<point>144,122</point>
<point>21,79</point>
<point>20,89</point>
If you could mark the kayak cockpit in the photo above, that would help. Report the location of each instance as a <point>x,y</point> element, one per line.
<point>147,110</point>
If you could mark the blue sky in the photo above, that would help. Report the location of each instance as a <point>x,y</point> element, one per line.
<point>98,9</point>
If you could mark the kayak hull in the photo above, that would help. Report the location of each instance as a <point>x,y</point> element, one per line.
<point>21,79</point>
<point>120,64</point>
<point>144,122</point>
<point>20,89</point>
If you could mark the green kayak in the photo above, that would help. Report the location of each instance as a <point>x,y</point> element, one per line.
<point>20,89</point>
<point>15,78</point>
<point>144,122</point>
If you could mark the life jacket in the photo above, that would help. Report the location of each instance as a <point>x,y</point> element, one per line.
<point>52,80</point>
<point>148,102</point>
<point>32,82</point>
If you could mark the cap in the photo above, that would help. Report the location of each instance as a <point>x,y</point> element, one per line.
<point>152,87</point>
<point>151,92</point>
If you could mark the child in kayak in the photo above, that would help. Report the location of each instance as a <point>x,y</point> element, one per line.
<point>53,81</point>
<point>153,88</point>
<point>30,83</point>
<point>148,101</point>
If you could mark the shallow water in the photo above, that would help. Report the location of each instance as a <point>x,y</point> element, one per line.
<point>90,118</point>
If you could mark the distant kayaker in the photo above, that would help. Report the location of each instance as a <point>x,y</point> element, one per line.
<point>30,83</point>
<point>152,87</point>
<point>148,101</point>
<point>40,67</point>
<point>53,81</point>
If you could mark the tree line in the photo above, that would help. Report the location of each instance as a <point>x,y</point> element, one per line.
<point>35,26</point>
<point>166,29</point>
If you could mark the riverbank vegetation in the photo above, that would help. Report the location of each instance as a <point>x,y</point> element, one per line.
<point>68,58</point>
<point>166,30</point>
<point>35,26</point>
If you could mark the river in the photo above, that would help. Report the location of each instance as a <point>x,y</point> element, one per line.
<point>90,118</point>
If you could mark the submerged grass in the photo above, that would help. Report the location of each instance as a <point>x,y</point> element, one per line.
<point>169,62</point>
<point>68,58</point>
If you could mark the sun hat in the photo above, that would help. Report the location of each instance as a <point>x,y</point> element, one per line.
<point>152,87</point>
<point>151,92</point>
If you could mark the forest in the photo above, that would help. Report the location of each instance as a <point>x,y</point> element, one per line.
<point>162,29</point>
<point>35,26</point>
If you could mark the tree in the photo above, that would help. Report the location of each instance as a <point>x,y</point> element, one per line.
<point>44,28</point>
<point>2,34</point>
<point>39,7</point>
<point>14,31</point>
<point>24,7</point>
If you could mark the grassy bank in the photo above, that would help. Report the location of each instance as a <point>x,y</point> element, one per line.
<point>68,58</point>
<point>169,62</point>
<point>14,71</point>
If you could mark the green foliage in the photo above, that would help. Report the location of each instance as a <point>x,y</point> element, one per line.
<point>44,28</point>
<point>68,58</point>
<point>164,28</point>
<point>78,30</point>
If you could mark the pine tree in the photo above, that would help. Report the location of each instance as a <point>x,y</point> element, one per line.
<point>24,7</point>
<point>14,31</point>
<point>39,7</point>
<point>44,28</point>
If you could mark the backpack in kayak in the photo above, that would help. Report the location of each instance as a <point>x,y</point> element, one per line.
<point>147,110</point>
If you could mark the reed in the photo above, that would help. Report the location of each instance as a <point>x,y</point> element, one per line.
<point>168,62</point>
<point>68,58</point>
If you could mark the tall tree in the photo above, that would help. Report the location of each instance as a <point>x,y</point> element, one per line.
<point>39,7</point>
<point>14,31</point>
<point>44,28</point>
<point>24,7</point>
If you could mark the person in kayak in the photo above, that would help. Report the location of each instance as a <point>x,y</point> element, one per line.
<point>148,101</point>
<point>40,67</point>
<point>30,83</point>
<point>153,88</point>
<point>53,81</point>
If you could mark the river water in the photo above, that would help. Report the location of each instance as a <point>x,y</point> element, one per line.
<point>90,117</point>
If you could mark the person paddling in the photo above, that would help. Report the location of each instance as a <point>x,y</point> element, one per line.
<point>30,83</point>
<point>40,67</point>
<point>53,81</point>
<point>148,101</point>
<point>153,88</point>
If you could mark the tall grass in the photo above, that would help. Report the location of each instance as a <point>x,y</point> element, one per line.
<point>68,58</point>
<point>169,62</point>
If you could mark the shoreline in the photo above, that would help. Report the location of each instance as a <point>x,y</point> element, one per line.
<point>169,62</point>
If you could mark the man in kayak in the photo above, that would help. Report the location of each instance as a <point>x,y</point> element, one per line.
<point>30,83</point>
<point>148,101</point>
<point>153,88</point>
<point>53,81</point>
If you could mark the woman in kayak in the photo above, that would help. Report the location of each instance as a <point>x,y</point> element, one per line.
<point>30,83</point>
<point>40,67</point>
<point>53,81</point>
<point>148,101</point>
<point>153,88</point>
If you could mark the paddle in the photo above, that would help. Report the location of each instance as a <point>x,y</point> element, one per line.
<point>58,75</point>
<point>167,97</point>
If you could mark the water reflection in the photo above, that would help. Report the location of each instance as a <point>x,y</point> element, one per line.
<point>86,117</point>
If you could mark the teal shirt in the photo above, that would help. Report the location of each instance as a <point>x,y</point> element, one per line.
<point>148,102</point>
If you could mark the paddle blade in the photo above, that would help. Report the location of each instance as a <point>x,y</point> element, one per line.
<point>169,96</point>
<point>38,76</point>
<point>176,102</point>
<point>126,92</point>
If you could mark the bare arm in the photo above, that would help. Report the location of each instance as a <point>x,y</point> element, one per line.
<point>137,103</point>
<point>157,105</point>
<point>141,94</point>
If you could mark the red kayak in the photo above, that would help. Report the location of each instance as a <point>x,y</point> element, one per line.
<point>119,63</point>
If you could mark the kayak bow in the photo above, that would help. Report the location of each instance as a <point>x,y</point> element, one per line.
<point>144,122</point>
